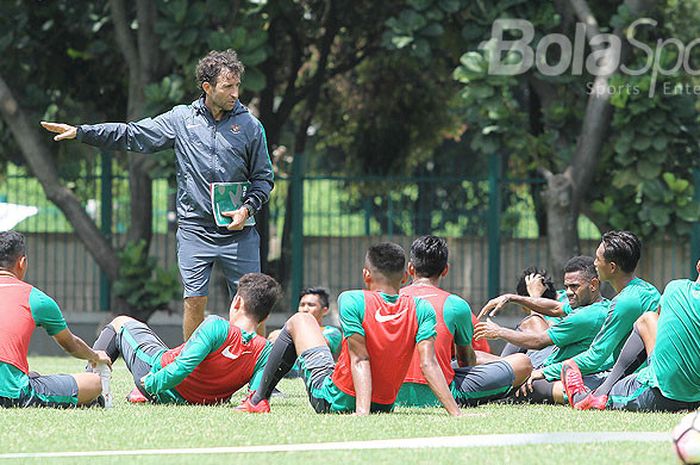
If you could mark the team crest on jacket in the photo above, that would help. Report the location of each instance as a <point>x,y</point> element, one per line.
<point>235,128</point>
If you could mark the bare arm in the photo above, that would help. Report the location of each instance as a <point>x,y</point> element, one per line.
<point>434,376</point>
<point>526,339</point>
<point>76,347</point>
<point>361,373</point>
<point>539,305</point>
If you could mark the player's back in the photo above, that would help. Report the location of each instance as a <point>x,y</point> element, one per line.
<point>228,366</point>
<point>675,361</point>
<point>444,341</point>
<point>391,325</point>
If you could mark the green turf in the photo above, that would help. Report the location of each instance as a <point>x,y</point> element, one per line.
<point>128,427</point>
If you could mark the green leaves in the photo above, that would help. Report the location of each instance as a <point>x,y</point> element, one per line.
<point>141,283</point>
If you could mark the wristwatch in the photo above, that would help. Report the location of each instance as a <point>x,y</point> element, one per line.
<point>250,208</point>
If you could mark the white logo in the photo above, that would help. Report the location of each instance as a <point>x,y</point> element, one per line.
<point>227,353</point>
<point>190,126</point>
<point>384,318</point>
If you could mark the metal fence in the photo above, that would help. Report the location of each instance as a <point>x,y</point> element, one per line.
<point>490,225</point>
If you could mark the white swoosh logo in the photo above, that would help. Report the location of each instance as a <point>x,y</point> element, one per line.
<point>227,353</point>
<point>384,318</point>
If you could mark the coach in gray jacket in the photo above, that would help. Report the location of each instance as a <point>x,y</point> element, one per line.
<point>216,139</point>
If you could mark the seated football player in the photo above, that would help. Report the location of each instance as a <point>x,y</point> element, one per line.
<point>534,282</point>
<point>314,301</point>
<point>220,357</point>
<point>671,379</point>
<point>381,329</point>
<point>565,339</point>
<point>470,384</point>
<point>24,308</point>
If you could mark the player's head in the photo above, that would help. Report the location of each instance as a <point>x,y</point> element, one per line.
<point>385,263</point>
<point>618,253</point>
<point>581,281</point>
<point>314,300</point>
<point>13,253</point>
<point>258,294</point>
<point>550,291</point>
<point>428,257</point>
<point>219,76</point>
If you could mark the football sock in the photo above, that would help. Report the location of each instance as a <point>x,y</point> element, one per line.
<point>107,341</point>
<point>631,357</point>
<point>281,360</point>
<point>541,392</point>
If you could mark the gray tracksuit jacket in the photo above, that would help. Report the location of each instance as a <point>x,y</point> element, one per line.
<point>231,150</point>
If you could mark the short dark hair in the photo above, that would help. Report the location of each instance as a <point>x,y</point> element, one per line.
<point>387,258</point>
<point>214,63</point>
<point>583,264</point>
<point>317,291</point>
<point>261,294</point>
<point>550,291</point>
<point>12,248</point>
<point>623,248</point>
<point>429,256</point>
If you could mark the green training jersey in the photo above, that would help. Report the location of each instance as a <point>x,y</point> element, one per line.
<point>674,365</point>
<point>636,298</point>
<point>456,314</point>
<point>44,312</point>
<point>574,333</point>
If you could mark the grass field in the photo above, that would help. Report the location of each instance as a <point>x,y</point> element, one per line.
<point>130,427</point>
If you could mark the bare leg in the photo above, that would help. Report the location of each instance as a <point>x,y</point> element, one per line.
<point>305,332</point>
<point>646,326</point>
<point>89,387</point>
<point>485,357</point>
<point>522,367</point>
<point>194,315</point>
<point>558,393</point>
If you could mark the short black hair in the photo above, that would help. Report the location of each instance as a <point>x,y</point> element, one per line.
<point>388,258</point>
<point>12,248</point>
<point>583,264</point>
<point>214,63</point>
<point>623,248</point>
<point>261,294</point>
<point>429,256</point>
<point>550,291</point>
<point>317,291</point>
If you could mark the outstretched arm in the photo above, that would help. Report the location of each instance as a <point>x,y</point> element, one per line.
<point>539,305</point>
<point>76,347</point>
<point>434,376</point>
<point>361,373</point>
<point>526,339</point>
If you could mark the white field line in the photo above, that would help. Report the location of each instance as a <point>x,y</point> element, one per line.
<point>485,440</point>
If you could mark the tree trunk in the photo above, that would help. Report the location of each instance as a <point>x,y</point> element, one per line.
<point>41,163</point>
<point>562,221</point>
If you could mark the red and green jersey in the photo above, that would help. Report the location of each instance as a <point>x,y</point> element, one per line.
<point>454,326</point>
<point>217,360</point>
<point>391,326</point>
<point>674,365</point>
<point>23,308</point>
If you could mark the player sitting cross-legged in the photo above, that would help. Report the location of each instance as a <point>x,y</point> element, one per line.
<point>221,356</point>
<point>380,328</point>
